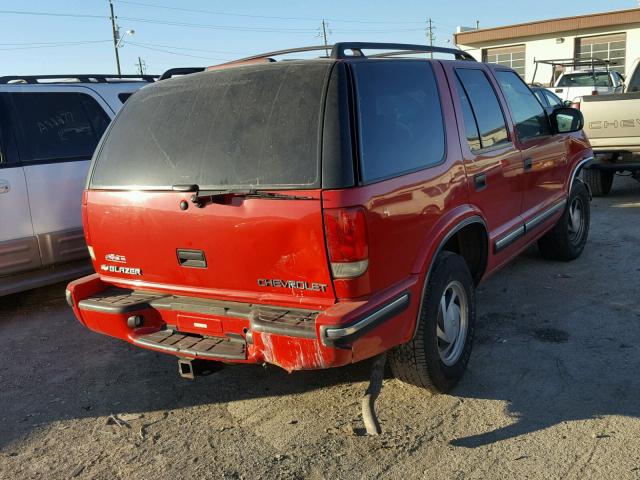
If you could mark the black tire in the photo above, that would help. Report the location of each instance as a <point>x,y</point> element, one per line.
<point>599,181</point>
<point>564,241</point>
<point>419,361</point>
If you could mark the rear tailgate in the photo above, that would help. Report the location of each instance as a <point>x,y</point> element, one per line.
<point>230,137</point>
<point>244,249</point>
<point>612,119</point>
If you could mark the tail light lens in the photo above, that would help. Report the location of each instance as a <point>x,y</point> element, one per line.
<point>594,92</point>
<point>85,222</point>
<point>576,104</point>
<point>347,242</point>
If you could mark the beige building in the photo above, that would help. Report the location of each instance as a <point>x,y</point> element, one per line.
<point>613,36</point>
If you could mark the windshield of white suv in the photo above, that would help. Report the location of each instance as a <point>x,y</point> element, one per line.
<point>586,79</point>
<point>242,127</point>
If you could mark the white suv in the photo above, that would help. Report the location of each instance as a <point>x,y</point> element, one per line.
<point>49,128</point>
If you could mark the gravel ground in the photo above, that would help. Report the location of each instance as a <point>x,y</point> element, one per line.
<point>552,390</point>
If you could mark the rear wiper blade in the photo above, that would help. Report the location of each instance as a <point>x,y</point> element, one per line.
<point>202,198</point>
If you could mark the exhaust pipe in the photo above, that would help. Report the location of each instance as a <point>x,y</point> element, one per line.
<point>192,367</point>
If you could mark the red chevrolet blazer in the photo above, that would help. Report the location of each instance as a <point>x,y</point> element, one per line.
<point>314,213</point>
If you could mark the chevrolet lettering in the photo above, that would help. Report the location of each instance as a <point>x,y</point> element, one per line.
<point>294,284</point>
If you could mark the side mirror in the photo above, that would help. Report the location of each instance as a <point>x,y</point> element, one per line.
<point>566,120</point>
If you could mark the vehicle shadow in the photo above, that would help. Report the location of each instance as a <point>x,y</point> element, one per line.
<point>559,342</point>
<point>54,370</point>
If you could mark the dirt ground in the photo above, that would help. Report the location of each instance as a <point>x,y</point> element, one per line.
<point>552,391</point>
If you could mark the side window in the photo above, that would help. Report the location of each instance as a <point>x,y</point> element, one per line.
<point>58,126</point>
<point>399,116</point>
<point>541,97</point>
<point>484,109</point>
<point>124,96</point>
<point>8,152</point>
<point>470,125</point>
<point>553,100</point>
<point>529,116</point>
<point>634,82</point>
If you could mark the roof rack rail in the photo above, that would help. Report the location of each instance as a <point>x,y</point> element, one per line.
<point>172,72</point>
<point>574,63</point>
<point>339,51</point>
<point>78,77</point>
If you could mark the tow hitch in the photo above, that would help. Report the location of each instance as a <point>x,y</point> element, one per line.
<point>369,417</point>
<point>189,368</point>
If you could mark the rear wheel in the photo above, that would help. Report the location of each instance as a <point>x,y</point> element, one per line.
<point>567,239</point>
<point>599,181</point>
<point>437,356</point>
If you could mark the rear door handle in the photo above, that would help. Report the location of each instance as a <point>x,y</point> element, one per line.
<point>4,186</point>
<point>528,163</point>
<point>480,181</point>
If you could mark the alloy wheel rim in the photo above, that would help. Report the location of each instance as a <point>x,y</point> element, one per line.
<point>576,220</point>
<point>452,323</point>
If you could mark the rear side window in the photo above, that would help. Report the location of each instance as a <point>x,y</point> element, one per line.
<point>58,126</point>
<point>529,116</point>
<point>475,89</point>
<point>634,83</point>
<point>470,124</point>
<point>400,118</point>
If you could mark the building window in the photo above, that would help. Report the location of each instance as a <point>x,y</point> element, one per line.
<point>605,47</point>
<point>512,57</point>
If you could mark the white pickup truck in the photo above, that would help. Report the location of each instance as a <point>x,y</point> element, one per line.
<point>612,123</point>
<point>591,82</point>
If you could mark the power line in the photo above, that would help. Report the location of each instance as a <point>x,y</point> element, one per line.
<point>173,47</point>
<point>253,29</point>
<point>214,12</point>
<point>139,45</point>
<point>50,45</point>
<point>51,14</point>
<point>217,27</point>
<point>199,25</point>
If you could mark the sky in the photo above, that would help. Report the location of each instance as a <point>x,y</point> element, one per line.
<point>74,36</point>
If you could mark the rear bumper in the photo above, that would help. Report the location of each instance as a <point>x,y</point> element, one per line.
<point>211,329</point>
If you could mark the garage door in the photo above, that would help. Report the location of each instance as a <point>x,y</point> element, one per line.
<point>606,47</point>
<point>512,57</point>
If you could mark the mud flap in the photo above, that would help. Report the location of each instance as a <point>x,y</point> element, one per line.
<point>369,417</point>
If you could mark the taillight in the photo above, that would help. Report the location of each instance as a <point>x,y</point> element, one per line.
<point>346,235</point>
<point>85,221</point>
<point>576,103</point>
<point>594,92</point>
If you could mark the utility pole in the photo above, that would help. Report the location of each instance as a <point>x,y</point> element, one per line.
<point>142,66</point>
<point>116,36</point>
<point>324,35</point>
<point>431,36</point>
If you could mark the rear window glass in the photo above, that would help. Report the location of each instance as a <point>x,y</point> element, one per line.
<point>245,127</point>
<point>400,119</point>
<point>586,79</point>
<point>58,126</point>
